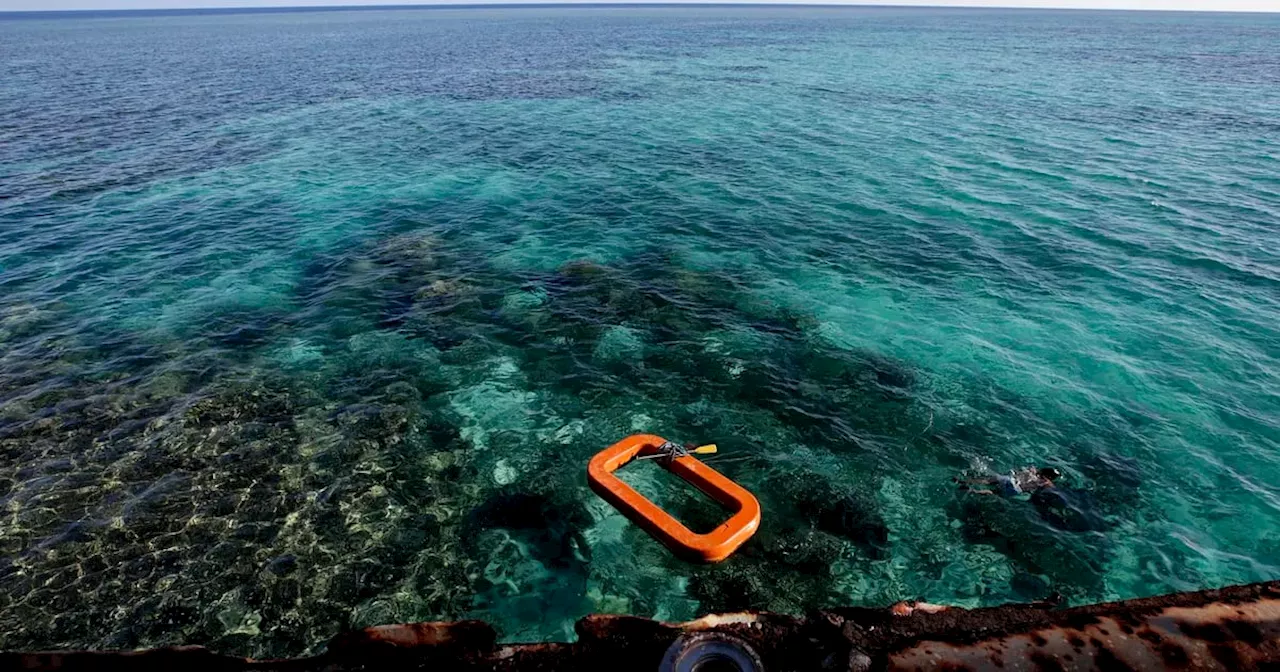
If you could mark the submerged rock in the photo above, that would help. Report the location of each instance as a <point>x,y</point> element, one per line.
<point>1074,562</point>
<point>443,289</point>
<point>550,526</point>
<point>417,251</point>
<point>524,300</point>
<point>283,565</point>
<point>619,344</point>
<point>851,517</point>
<point>21,319</point>
<point>1067,509</point>
<point>251,404</point>
<point>504,473</point>
<point>584,270</point>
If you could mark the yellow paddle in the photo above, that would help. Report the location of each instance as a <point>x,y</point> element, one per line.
<point>670,451</point>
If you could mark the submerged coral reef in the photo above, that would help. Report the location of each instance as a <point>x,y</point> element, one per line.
<point>312,320</point>
<point>418,453</point>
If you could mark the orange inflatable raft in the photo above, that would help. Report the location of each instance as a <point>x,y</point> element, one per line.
<point>713,546</point>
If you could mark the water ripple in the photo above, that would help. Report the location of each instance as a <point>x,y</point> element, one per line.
<point>311,320</point>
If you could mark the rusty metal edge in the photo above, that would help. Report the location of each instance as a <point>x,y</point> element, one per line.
<point>1226,629</point>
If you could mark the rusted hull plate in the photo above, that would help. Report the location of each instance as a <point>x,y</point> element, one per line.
<point>1234,628</point>
<point>1216,636</point>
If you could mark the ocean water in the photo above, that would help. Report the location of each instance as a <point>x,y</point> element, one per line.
<point>312,320</point>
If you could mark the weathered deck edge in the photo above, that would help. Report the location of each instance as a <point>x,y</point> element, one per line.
<point>1235,628</point>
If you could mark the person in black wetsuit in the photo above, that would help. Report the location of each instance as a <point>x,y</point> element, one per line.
<point>1028,480</point>
<point>1062,507</point>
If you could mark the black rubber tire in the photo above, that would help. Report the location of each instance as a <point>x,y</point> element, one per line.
<point>710,652</point>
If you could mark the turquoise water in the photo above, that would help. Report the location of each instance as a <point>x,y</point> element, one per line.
<point>312,320</point>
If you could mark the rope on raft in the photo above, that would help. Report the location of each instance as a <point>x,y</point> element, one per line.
<point>668,451</point>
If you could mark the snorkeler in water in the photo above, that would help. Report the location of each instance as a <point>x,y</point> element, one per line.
<point>1028,480</point>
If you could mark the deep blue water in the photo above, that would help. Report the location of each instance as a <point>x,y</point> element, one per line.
<point>312,320</point>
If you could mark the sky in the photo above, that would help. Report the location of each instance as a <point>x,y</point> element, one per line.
<point>1210,5</point>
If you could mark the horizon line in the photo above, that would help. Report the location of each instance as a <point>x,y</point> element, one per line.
<point>249,9</point>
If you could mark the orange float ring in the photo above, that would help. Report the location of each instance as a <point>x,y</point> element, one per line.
<point>713,546</point>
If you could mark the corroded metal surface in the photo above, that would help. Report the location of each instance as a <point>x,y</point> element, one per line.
<point>1234,628</point>
<point>1217,636</point>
